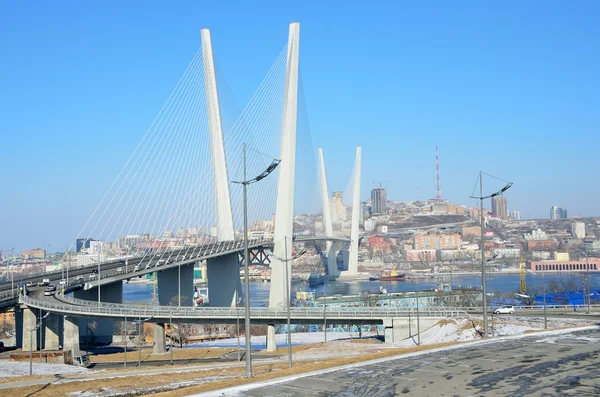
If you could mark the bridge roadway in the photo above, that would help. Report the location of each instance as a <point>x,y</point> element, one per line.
<point>148,263</point>
<point>224,315</point>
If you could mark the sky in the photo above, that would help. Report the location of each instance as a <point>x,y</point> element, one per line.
<point>509,88</point>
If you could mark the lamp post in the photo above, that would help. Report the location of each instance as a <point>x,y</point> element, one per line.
<point>287,293</point>
<point>481,197</point>
<point>245,184</point>
<point>418,322</point>
<point>125,343</point>
<point>237,315</point>
<point>587,276</point>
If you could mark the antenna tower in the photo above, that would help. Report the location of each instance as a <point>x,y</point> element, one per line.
<point>438,186</point>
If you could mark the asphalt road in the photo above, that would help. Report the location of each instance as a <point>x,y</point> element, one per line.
<point>551,365</point>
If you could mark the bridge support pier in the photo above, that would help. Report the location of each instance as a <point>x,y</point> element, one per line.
<point>52,332</point>
<point>160,339</point>
<point>224,286</point>
<point>30,339</point>
<point>175,281</point>
<point>71,335</point>
<point>271,343</point>
<point>100,331</point>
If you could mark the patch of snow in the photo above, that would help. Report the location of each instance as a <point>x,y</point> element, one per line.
<point>16,368</point>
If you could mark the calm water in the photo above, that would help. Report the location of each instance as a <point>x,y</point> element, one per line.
<point>259,292</point>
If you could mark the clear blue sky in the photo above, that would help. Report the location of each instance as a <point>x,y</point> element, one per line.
<point>510,88</point>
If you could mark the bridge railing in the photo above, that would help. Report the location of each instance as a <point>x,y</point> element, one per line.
<point>71,305</point>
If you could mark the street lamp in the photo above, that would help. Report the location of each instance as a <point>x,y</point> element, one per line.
<point>237,315</point>
<point>287,293</point>
<point>97,277</point>
<point>481,197</point>
<point>245,184</point>
<point>587,276</point>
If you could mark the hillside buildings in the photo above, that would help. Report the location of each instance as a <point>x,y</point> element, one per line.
<point>499,207</point>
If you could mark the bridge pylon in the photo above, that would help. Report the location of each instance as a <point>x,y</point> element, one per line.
<point>354,225</point>
<point>224,286</point>
<point>284,213</point>
<point>331,247</point>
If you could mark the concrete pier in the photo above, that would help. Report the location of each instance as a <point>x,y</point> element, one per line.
<point>71,334</point>
<point>224,284</point>
<point>271,342</point>
<point>100,331</point>
<point>175,281</point>
<point>30,339</point>
<point>52,332</point>
<point>160,339</point>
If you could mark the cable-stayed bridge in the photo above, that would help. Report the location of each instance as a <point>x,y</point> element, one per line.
<point>181,177</point>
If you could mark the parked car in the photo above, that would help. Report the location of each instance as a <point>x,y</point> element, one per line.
<point>505,310</point>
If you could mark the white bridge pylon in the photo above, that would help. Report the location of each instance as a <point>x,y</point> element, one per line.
<point>284,213</point>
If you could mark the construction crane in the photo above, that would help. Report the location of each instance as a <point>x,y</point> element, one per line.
<point>522,271</point>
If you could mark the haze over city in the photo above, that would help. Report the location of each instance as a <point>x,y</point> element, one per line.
<point>510,89</point>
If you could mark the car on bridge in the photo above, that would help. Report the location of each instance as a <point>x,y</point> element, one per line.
<point>48,292</point>
<point>505,310</point>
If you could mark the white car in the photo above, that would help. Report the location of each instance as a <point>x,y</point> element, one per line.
<point>505,310</point>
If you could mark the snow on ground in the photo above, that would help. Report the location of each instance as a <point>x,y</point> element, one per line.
<point>16,368</point>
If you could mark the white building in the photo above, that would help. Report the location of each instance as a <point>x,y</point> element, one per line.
<point>578,229</point>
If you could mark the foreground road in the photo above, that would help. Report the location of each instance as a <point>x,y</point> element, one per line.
<point>551,365</point>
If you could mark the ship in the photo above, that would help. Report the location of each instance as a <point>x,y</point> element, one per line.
<point>316,279</point>
<point>391,276</point>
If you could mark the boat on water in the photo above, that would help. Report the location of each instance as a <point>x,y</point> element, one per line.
<point>316,279</point>
<point>391,276</point>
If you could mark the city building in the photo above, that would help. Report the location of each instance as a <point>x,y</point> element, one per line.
<point>578,229</point>
<point>499,207</point>
<point>378,201</point>
<point>537,234</point>
<point>82,243</point>
<point>516,215</point>
<point>34,254</point>
<point>338,210</point>
<point>558,213</point>
<point>436,241</point>
<point>591,244</point>
<point>541,245</point>
<point>471,231</point>
<point>565,266</point>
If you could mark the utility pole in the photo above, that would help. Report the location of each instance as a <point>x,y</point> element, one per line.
<point>481,197</point>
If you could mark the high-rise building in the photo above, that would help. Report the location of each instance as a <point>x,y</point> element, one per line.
<point>338,210</point>
<point>516,215</point>
<point>499,207</point>
<point>578,229</point>
<point>82,243</point>
<point>378,201</point>
<point>557,213</point>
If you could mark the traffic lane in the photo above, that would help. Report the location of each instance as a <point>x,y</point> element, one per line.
<point>564,365</point>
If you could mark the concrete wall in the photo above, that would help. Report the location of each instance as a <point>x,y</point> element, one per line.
<point>71,334</point>
<point>169,289</point>
<point>99,331</point>
<point>398,329</point>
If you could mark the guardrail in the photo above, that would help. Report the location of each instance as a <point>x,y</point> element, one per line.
<point>77,307</point>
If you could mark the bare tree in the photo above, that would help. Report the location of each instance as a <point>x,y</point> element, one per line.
<point>563,290</point>
<point>527,298</point>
